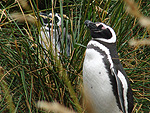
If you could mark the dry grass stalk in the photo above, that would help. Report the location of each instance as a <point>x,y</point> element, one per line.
<point>5,89</point>
<point>1,73</point>
<point>134,42</point>
<point>20,17</point>
<point>100,9</point>
<point>24,4</point>
<point>54,107</point>
<point>132,8</point>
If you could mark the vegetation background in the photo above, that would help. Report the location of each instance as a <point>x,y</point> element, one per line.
<point>25,75</point>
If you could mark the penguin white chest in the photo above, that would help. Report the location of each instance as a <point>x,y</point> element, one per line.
<point>46,41</point>
<point>97,85</point>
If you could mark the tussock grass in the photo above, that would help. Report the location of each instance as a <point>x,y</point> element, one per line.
<point>29,73</point>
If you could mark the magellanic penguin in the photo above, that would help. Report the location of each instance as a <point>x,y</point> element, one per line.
<point>106,85</point>
<point>56,39</point>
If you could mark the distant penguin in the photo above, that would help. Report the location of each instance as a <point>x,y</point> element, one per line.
<point>57,39</point>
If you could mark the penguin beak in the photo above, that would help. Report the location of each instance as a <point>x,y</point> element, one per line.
<point>90,25</point>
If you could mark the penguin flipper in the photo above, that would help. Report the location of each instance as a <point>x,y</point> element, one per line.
<point>119,88</point>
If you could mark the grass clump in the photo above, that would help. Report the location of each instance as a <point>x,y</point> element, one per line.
<point>30,73</point>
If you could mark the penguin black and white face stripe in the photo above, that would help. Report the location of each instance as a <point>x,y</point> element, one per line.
<point>47,19</point>
<point>104,78</point>
<point>102,32</point>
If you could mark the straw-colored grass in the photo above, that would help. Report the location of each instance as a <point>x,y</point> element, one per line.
<point>29,73</point>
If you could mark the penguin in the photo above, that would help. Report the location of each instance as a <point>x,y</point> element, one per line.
<point>106,85</point>
<point>45,33</point>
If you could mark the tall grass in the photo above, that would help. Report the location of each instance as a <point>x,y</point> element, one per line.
<point>25,75</point>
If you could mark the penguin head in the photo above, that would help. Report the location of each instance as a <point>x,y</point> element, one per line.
<point>101,31</point>
<point>47,19</point>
